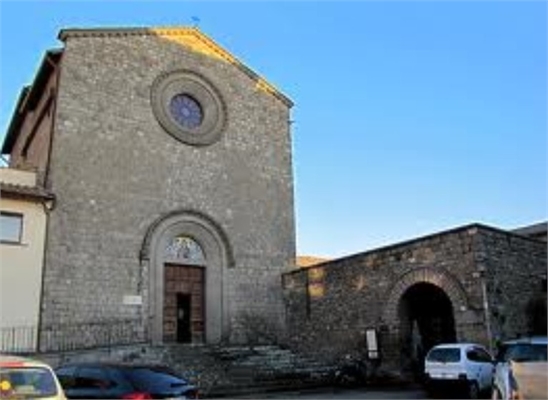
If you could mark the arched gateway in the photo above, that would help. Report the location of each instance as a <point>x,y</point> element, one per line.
<point>421,311</point>
<point>187,257</point>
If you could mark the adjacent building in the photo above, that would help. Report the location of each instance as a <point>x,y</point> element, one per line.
<point>24,209</point>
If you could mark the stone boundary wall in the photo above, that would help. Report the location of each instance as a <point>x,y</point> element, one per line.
<point>330,306</point>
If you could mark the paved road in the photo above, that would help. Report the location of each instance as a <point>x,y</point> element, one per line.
<point>330,393</point>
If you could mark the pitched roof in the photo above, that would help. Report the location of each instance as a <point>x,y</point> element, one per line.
<point>29,96</point>
<point>190,37</point>
<point>539,229</point>
<point>9,190</point>
<point>307,261</point>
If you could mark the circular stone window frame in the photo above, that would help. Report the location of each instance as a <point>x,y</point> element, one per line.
<point>183,82</point>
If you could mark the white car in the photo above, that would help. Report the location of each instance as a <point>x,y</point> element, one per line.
<point>465,366</point>
<point>24,378</point>
<point>522,369</point>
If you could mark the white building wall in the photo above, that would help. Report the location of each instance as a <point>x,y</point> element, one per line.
<point>21,269</point>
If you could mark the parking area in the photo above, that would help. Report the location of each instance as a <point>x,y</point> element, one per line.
<point>337,393</point>
<point>409,392</point>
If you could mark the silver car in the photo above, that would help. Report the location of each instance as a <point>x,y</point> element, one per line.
<point>522,369</point>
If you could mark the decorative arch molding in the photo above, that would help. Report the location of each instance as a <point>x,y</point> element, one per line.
<point>191,216</point>
<point>218,257</point>
<point>440,278</point>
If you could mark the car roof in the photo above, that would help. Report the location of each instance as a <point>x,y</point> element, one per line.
<point>7,360</point>
<point>531,340</point>
<point>111,365</point>
<point>457,345</point>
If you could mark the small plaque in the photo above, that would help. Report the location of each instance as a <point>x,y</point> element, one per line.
<point>133,300</point>
<point>372,344</point>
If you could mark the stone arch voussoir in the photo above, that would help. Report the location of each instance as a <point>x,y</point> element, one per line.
<point>186,215</point>
<point>438,277</point>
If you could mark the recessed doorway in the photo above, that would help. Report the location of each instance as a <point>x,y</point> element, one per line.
<point>184,304</point>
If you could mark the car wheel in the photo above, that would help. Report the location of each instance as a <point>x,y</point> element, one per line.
<point>431,393</point>
<point>344,380</point>
<point>473,390</point>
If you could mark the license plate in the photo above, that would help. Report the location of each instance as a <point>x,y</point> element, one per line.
<point>443,375</point>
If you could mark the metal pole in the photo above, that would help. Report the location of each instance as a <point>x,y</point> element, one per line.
<point>486,311</point>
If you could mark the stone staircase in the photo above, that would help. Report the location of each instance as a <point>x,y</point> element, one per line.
<point>225,371</point>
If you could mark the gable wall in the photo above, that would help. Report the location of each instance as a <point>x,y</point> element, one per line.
<point>115,171</point>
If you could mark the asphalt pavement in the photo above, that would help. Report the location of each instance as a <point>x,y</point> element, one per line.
<point>339,393</point>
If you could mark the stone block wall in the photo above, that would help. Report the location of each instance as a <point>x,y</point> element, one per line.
<point>515,274</point>
<point>257,307</point>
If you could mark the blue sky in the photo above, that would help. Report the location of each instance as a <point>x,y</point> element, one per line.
<point>410,117</point>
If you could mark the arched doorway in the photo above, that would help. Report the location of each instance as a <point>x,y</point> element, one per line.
<point>186,255</point>
<point>426,319</point>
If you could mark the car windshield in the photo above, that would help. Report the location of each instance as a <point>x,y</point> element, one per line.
<point>26,383</point>
<point>444,355</point>
<point>523,352</point>
<point>155,380</point>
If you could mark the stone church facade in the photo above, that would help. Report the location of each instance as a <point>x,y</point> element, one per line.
<point>170,169</point>
<point>170,162</point>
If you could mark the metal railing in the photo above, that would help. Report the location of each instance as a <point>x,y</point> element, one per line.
<point>75,336</point>
<point>19,340</point>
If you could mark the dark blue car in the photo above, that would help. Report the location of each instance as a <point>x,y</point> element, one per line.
<point>123,381</point>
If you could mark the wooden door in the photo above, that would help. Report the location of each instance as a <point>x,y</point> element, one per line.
<point>184,304</point>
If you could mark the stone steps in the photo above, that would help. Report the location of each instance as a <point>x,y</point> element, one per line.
<point>241,369</point>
